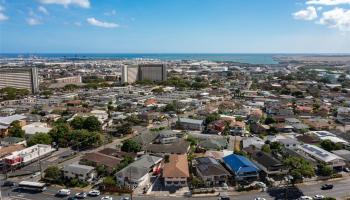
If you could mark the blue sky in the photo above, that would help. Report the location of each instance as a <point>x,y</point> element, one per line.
<point>175,26</point>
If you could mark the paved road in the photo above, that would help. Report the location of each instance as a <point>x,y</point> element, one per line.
<point>340,191</point>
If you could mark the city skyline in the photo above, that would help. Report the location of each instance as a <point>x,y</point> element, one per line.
<point>191,26</point>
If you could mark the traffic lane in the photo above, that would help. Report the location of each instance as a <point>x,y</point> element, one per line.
<point>49,194</point>
<point>340,190</point>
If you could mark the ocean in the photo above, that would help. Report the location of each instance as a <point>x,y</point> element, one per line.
<point>241,58</point>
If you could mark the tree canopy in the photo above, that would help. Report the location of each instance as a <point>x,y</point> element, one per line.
<point>92,124</point>
<point>131,146</point>
<point>39,138</point>
<point>328,145</point>
<point>15,130</point>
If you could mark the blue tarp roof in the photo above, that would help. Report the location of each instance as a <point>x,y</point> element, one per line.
<point>240,164</point>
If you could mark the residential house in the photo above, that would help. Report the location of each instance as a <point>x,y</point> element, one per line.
<point>323,156</point>
<point>238,128</point>
<point>175,172</point>
<point>83,173</point>
<point>169,136</point>
<point>99,159</point>
<point>8,141</point>
<point>211,171</point>
<point>190,124</point>
<point>267,163</point>
<point>218,126</point>
<point>343,115</point>
<point>36,127</point>
<point>317,123</point>
<point>345,154</point>
<point>5,123</point>
<point>138,173</point>
<point>180,147</point>
<point>242,167</point>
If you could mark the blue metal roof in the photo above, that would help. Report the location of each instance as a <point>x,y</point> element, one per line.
<point>240,164</point>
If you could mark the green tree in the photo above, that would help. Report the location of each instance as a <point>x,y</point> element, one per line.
<point>77,123</point>
<point>325,170</point>
<point>276,146</point>
<point>266,148</point>
<point>15,130</point>
<point>193,141</point>
<point>269,120</point>
<point>70,87</point>
<point>125,162</point>
<point>212,117</point>
<point>131,146</point>
<point>53,174</point>
<point>39,138</point>
<point>328,145</point>
<point>299,168</point>
<point>124,129</point>
<point>92,124</point>
<point>84,139</point>
<point>109,181</point>
<point>170,107</point>
<point>60,134</point>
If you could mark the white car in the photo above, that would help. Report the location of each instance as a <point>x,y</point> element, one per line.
<point>106,198</point>
<point>318,197</point>
<point>259,198</point>
<point>35,174</point>
<point>63,192</point>
<point>125,198</point>
<point>94,193</point>
<point>305,198</point>
<point>80,195</point>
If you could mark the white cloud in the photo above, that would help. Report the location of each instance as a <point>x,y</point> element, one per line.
<point>327,2</point>
<point>43,10</point>
<point>310,13</point>
<point>33,21</point>
<point>338,18</point>
<point>3,17</point>
<point>66,3</point>
<point>96,22</point>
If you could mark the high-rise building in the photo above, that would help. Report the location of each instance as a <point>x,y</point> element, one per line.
<point>21,78</point>
<point>130,74</point>
<point>152,72</point>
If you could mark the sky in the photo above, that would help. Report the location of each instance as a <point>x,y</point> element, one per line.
<point>174,26</point>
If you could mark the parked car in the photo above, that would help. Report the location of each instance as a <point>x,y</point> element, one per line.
<point>305,198</point>
<point>106,198</point>
<point>63,192</point>
<point>346,169</point>
<point>125,198</point>
<point>35,174</point>
<point>94,193</point>
<point>259,198</point>
<point>81,195</point>
<point>224,198</point>
<point>188,194</point>
<point>9,184</point>
<point>224,186</point>
<point>318,197</point>
<point>327,187</point>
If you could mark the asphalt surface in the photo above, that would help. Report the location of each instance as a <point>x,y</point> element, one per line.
<point>340,191</point>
